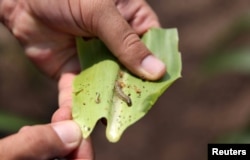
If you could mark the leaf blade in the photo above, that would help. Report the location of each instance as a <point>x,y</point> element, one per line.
<point>96,59</point>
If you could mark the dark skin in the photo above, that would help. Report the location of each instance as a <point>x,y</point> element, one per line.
<point>47,30</point>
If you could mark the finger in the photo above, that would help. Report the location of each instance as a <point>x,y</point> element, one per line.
<point>84,151</point>
<point>52,51</point>
<point>41,142</point>
<point>123,41</point>
<point>65,98</point>
<point>61,114</point>
<point>139,14</point>
<point>65,89</point>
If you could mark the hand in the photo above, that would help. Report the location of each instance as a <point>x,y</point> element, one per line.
<point>47,30</point>
<point>45,142</point>
<point>61,139</point>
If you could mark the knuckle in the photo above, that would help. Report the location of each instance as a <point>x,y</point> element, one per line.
<point>30,134</point>
<point>93,12</point>
<point>24,129</point>
<point>134,49</point>
<point>131,40</point>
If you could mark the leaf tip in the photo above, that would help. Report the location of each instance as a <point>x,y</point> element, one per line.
<point>113,136</point>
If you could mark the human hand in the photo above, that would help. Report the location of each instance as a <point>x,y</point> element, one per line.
<point>45,142</point>
<point>47,30</point>
<point>62,138</point>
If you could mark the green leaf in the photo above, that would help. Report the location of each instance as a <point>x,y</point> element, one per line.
<point>103,89</point>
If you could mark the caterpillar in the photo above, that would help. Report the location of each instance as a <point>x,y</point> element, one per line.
<point>122,95</point>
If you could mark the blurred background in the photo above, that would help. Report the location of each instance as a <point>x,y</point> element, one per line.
<point>210,103</point>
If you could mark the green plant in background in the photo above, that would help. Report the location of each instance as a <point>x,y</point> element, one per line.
<point>105,89</point>
<point>10,123</point>
<point>227,55</point>
<point>236,137</point>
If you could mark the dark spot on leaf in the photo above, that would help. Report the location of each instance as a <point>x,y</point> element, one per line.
<point>104,121</point>
<point>77,92</point>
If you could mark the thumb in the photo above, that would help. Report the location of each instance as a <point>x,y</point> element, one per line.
<point>125,44</point>
<point>41,142</point>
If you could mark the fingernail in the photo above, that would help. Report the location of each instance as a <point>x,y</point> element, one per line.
<point>68,132</point>
<point>154,67</point>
